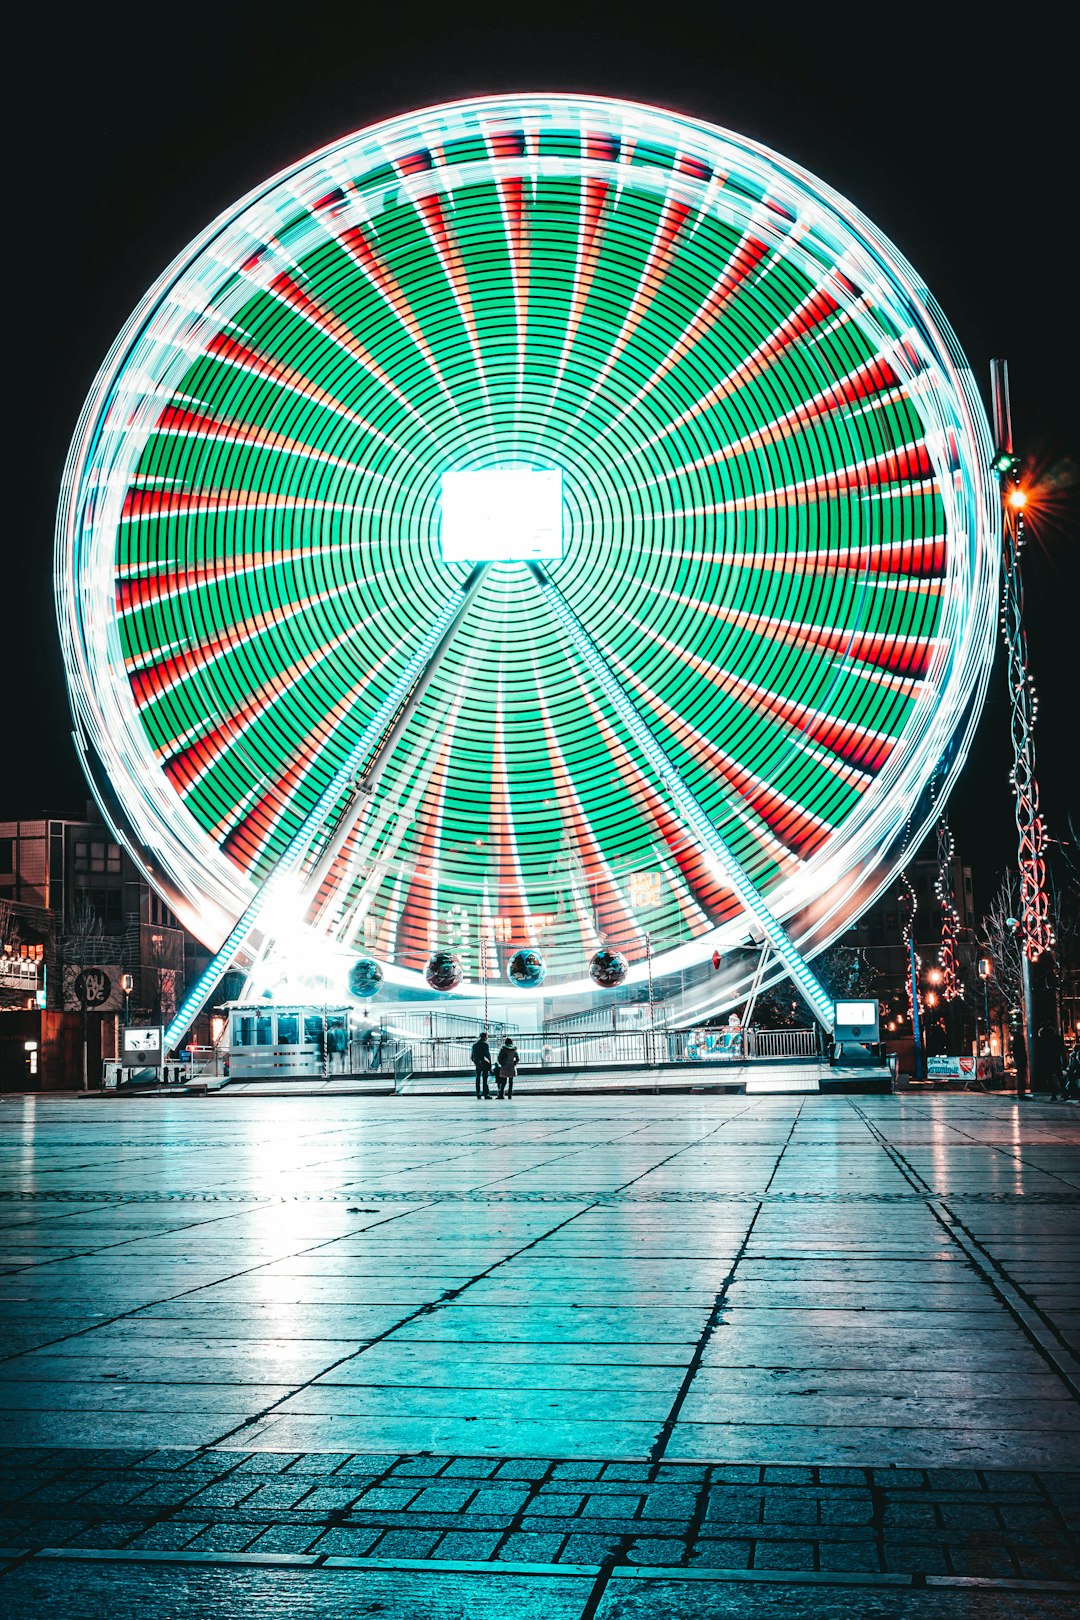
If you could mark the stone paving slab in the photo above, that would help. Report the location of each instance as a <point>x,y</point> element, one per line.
<point>712,1341</point>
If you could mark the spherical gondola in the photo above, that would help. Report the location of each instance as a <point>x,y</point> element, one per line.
<point>445,971</point>
<point>527,969</point>
<point>608,969</point>
<point>365,978</point>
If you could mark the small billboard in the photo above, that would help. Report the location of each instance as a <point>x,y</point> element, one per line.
<point>142,1047</point>
<point>855,1021</point>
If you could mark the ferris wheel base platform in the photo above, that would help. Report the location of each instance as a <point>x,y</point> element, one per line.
<point>775,1078</point>
<point>736,1079</point>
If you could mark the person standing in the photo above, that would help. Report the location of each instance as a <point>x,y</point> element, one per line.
<point>1072,1073</point>
<point>481,1061</point>
<point>1051,1050</point>
<point>506,1067</point>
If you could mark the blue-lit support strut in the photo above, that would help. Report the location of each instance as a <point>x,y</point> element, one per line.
<point>371,739</point>
<point>692,812</point>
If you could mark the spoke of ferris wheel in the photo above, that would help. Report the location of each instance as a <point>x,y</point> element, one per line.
<point>367,786</point>
<point>385,723</point>
<point>692,812</point>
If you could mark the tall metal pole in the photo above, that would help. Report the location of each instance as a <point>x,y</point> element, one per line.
<point>910,902</point>
<point>920,1061</point>
<point>1036,933</point>
<point>945,890</point>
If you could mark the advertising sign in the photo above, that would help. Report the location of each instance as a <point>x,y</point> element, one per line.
<point>97,989</point>
<point>958,1068</point>
<point>856,1020</point>
<point>143,1048</point>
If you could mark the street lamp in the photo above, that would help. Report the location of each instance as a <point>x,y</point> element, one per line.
<point>986,970</point>
<point>127,985</point>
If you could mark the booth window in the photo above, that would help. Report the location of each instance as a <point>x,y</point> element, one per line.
<point>288,1029</point>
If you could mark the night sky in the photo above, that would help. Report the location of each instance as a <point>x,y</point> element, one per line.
<point>139,125</point>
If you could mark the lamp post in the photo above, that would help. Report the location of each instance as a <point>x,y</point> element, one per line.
<point>986,968</point>
<point>1033,925</point>
<point>127,985</point>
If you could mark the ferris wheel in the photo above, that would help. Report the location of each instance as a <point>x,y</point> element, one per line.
<point>598,490</point>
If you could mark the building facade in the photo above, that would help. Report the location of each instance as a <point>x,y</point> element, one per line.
<point>84,943</point>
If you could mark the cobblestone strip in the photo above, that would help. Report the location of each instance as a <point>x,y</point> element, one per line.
<point>944,1522</point>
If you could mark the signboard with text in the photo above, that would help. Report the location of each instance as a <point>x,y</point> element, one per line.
<point>142,1047</point>
<point>93,989</point>
<point>958,1068</point>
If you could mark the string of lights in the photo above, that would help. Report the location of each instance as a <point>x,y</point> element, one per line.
<point>944,890</point>
<point>1038,933</point>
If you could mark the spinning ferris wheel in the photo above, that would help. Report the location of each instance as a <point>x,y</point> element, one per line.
<point>538,522</point>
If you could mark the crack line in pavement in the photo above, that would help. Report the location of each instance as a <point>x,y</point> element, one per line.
<point>451,1296</point>
<point>667,1428</point>
<point>1016,1157</point>
<point>973,1255</point>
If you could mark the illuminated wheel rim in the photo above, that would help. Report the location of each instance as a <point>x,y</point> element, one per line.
<point>780,531</point>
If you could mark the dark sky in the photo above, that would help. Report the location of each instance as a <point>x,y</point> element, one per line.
<point>140,124</point>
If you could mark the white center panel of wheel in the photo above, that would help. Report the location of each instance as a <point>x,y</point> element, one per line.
<point>504,514</point>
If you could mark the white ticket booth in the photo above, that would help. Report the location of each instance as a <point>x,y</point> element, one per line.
<point>267,1042</point>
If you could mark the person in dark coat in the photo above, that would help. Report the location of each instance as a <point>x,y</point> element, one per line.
<point>481,1062</point>
<point>1072,1073</point>
<point>506,1067</point>
<point>1051,1058</point>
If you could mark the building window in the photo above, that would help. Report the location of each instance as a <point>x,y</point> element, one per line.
<point>7,855</point>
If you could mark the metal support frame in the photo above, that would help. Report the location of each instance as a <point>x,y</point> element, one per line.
<point>920,1052</point>
<point>1037,935</point>
<point>383,723</point>
<point>692,812</point>
<point>755,986</point>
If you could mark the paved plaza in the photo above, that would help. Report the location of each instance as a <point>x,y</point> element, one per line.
<point>619,1356</point>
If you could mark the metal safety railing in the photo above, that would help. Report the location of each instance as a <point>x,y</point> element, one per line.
<point>591,1049</point>
<point>783,1043</point>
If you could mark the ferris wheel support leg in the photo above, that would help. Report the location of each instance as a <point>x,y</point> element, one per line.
<point>372,742</point>
<point>692,812</point>
<point>367,787</point>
